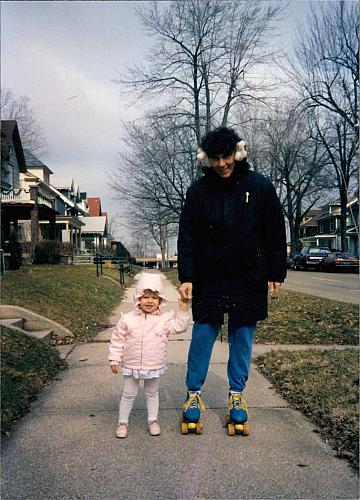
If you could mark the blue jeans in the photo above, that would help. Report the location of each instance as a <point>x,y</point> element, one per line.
<point>240,347</point>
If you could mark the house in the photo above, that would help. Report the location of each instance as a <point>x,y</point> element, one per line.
<point>12,155</point>
<point>73,206</point>
<point>94,205</point>
<point>24,196</point>
<point>94,235</point>
<point>328,227</point>
<point>308,224</point>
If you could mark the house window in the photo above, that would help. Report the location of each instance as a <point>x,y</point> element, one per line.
<point>332,225</point>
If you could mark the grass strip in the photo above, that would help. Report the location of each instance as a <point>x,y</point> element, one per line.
<point>72,295</point>
<point>298,318</point>
<point>324,386</point>
<point>27,365</point>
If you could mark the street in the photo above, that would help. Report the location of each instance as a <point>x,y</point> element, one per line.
<point>338,286</point>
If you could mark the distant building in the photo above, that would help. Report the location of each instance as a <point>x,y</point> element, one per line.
<point>94,205</point>
<point>327,230</point>
<point>94,235</point>
<point>308,225</point>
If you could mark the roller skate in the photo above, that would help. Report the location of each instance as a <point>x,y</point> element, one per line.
<point>191,415</point>
<point>236,418</point>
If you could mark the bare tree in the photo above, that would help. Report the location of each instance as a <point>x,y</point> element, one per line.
<point>152,177</point>
<point>19,109</point>
<point>326,76</point>
<point>201,66</point>
<point>299,158</point>
<point>203,57</point>
<point>326,69</point>
<point>337,138</point>
<point>150,225</point>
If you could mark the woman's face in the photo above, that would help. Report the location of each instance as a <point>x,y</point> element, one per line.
<point>223,164</point>
<point>149,301</point>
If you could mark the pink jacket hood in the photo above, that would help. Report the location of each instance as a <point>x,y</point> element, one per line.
<point>149,281</point>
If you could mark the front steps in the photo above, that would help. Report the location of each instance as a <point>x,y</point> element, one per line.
<point>83,259</point>
<point>32,324</point>
<point>20,324</point>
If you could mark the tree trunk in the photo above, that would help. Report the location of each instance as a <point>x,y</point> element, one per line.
<point>343,214</point>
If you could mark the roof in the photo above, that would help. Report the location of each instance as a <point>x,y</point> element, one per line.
<point>33,161</point>
<point>351,201</point>
<point>63,182</point>
<point>94,224</point>
<point>10,130</point>
<point>94,205</point>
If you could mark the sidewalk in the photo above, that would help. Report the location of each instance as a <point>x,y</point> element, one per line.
<point>65,447</point>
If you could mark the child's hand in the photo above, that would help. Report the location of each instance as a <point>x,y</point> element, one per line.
<point>183,304</point>
<point>114,368</point>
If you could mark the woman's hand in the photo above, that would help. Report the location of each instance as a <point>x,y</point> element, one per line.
<point>185,291</point>
<point>114,368</point>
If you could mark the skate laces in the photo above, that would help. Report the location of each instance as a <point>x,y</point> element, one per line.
<point>194,401</point>
<point>237,403</point>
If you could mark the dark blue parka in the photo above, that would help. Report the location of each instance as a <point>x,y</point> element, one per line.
<point>231,243</point>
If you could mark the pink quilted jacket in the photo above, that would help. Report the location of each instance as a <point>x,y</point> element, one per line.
<point>139,340</point>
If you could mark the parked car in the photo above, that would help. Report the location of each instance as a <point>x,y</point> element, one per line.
<point>289,262</point>
<point>340,261</point>
<point>311,257</point>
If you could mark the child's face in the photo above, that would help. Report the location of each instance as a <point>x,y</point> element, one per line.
<point>149,301</point>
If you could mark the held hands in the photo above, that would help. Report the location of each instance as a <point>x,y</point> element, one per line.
<point>185,291</point>
<point>274,287</point>
<point>183,304</point>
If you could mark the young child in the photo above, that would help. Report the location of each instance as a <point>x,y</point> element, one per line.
<point>139,343</point>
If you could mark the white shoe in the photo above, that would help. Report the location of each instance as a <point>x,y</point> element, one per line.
<point>154,428</point>
<point>121,430</point>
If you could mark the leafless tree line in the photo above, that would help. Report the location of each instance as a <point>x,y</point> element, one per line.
<point>209,67</point>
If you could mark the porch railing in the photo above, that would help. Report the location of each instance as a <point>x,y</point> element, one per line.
<point>23,196</point>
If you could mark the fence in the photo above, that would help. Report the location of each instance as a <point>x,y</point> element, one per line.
<point>124,266</point>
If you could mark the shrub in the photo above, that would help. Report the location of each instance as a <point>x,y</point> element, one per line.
<point>47,252</point>
<point>68,248</point>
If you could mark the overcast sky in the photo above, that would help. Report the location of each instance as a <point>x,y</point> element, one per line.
<point>53,51</point>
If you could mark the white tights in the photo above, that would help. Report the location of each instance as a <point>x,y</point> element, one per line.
<point>129,393</point>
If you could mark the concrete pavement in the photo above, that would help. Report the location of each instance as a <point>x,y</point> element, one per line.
<point>65,447</point>
<point>343,287</point>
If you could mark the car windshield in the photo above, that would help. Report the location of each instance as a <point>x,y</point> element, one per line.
<point>344,255</point>
<point>319,250</point>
